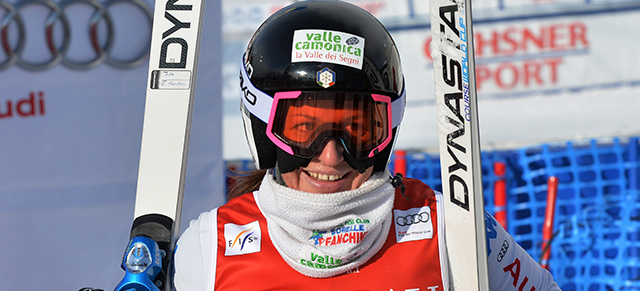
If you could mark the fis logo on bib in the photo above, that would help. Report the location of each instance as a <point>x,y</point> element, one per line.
<point>242,239</point>
<point>413,224</point>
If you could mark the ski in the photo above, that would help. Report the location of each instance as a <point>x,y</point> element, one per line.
<point>459,143</point>
<point>173,63</point>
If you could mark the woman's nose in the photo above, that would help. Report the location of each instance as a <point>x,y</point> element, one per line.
<point>331,152</point>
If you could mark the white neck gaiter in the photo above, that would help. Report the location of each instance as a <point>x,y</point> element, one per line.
<point>323,235</point>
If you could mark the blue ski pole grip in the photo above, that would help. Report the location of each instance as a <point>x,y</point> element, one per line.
<point>142,262</point>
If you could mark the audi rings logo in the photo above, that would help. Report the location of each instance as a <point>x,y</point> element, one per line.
<point>412,219</point>
<point>503,250</point>
<point>58,36</point>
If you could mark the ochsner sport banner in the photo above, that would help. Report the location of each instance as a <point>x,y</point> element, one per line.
<point>540,56</point>
<point>73,82</point>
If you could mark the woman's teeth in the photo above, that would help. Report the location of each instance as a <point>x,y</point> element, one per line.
<point>323,177</point>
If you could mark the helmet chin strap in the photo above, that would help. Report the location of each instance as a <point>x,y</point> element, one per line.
<point>287,163</point>
<point>278,176</point>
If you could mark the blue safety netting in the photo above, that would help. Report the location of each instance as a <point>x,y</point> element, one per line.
<point>597,228</point>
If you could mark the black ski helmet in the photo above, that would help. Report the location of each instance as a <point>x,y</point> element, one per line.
<point>349,42</point>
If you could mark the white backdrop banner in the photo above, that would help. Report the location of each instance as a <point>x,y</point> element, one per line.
<point>71,110</point>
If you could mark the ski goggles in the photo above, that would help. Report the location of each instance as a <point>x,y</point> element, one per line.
<point>300,122</point>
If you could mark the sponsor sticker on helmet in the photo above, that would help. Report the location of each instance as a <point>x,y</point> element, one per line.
<point>327,46</point>
<point>242,239</point>
<point>413,224</point>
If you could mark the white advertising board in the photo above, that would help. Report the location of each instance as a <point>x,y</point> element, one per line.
<point>70,140</point>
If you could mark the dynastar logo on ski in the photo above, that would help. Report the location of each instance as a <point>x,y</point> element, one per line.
<point>176,57</point>
<point>455,74</point>
<point>177,46</point>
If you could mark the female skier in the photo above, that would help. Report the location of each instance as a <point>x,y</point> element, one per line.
<point>322,100</point>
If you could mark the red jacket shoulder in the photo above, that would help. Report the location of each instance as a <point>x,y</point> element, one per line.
<point>416,193</point>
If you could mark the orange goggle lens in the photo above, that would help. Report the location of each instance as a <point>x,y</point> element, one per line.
<point>300,122</point>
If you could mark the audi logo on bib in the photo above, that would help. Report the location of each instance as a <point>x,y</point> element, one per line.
<point>412,219</point>
<point>413,224</point>
<point>57,30</point>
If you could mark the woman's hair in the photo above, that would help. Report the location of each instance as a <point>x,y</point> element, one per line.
<point>245,182</point>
